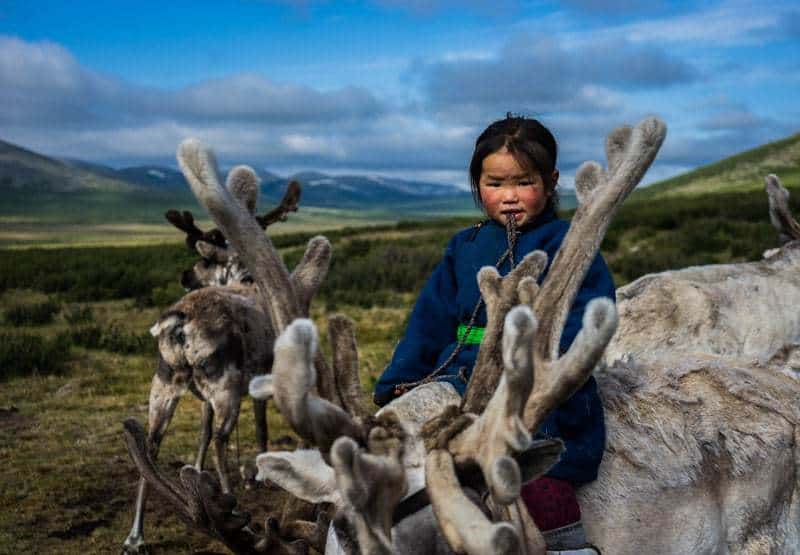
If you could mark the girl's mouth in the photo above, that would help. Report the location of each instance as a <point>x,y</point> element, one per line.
<point>516,214</point>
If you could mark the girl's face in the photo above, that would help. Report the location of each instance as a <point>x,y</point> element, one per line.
<point>509,191</point>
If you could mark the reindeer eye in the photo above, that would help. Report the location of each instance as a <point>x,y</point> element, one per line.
<point>247,280</point>
<point>180,337</point>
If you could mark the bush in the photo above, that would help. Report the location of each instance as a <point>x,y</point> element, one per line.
<point>112,338</point>
<point>95,274</point>
<point>167,295</point>
<point>90,337</point>
<point>78,314</point>
<point>32,314</point>
<point>26,354</point>
<point>117,340</point>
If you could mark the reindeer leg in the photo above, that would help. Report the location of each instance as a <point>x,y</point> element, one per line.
<point>226,403</point>
<point>206,427</point>
<point>260,410</point>
<point>164,397</point>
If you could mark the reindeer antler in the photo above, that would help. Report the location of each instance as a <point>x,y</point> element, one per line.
<point>202,505</point>
<point>288,204</point>
<point>243,183</point>
<point>629,151</point>
<point>779,214</point>
<point>499,294</point>
<point>185,222</point>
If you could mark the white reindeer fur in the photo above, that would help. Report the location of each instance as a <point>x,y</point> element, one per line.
<point>702,414</point>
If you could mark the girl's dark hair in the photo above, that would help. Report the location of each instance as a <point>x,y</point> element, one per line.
<point>530,143</point>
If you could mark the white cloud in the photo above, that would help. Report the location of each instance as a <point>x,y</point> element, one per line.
<point>306,145</point>
<point>732,23</point>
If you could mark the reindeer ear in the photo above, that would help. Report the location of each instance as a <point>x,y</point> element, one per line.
<point>303,473</point>
<point>167,321</point>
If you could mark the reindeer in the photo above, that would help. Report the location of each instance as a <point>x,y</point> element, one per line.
<point>429,436</point>
<point>215,338</point>
<point>702,400</point>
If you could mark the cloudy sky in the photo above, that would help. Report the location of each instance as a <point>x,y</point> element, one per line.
<point>391,87</point>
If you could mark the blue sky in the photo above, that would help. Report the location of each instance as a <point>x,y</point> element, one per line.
<point>389,87</point>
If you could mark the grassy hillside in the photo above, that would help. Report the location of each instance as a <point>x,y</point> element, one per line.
<point>740,173</point>
<point>25,169</point>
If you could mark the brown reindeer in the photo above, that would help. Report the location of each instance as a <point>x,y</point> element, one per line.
<point>217,337</point>
<point>429,436</point>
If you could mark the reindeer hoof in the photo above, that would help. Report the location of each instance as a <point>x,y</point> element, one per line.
<point>134,545</point>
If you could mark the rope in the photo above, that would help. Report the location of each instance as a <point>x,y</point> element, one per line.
<point>511,240</point>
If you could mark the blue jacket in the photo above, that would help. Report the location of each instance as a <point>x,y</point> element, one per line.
<point>448,299</point>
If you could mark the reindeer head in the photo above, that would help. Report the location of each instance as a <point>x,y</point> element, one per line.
<point>219,265</point>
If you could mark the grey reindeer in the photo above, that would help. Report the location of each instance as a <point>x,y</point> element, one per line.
<point>701,454</point>
<point>216,337</point>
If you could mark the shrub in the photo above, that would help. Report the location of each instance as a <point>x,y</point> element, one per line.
<point>32,314</point>
<point>112,338</point>
<point>23,354</point>
<point>165,296</point>
<point>90,336</point>
<point>78,314</point>
<point>118,340</point>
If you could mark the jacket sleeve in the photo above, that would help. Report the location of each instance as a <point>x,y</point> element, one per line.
<point>431,327</point>
<point>598,283</point>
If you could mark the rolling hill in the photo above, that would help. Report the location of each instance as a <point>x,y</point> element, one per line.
<point>22,169</point>
<point>739,173</point>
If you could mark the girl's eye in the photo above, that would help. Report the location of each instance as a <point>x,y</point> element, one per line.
<point>492,184</point>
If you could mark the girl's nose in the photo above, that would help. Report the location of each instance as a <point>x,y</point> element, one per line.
<point>510,194</point>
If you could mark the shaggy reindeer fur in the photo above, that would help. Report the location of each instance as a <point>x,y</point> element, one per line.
<point>702,403</point>
<point>742,310</point>
<point>701,453</point>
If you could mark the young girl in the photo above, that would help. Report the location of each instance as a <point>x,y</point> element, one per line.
<point>513,176</point>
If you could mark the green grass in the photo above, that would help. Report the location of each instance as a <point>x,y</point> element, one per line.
<point>67,473</point>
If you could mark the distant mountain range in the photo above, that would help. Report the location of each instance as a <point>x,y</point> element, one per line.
<point>22,170</point>
<point>34,187</point>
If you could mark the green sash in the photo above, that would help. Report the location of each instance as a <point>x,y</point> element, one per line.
<point>474,337</point>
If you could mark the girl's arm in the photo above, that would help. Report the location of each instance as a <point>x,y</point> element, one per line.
<point>598,283</point>
<point>432,326</point>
